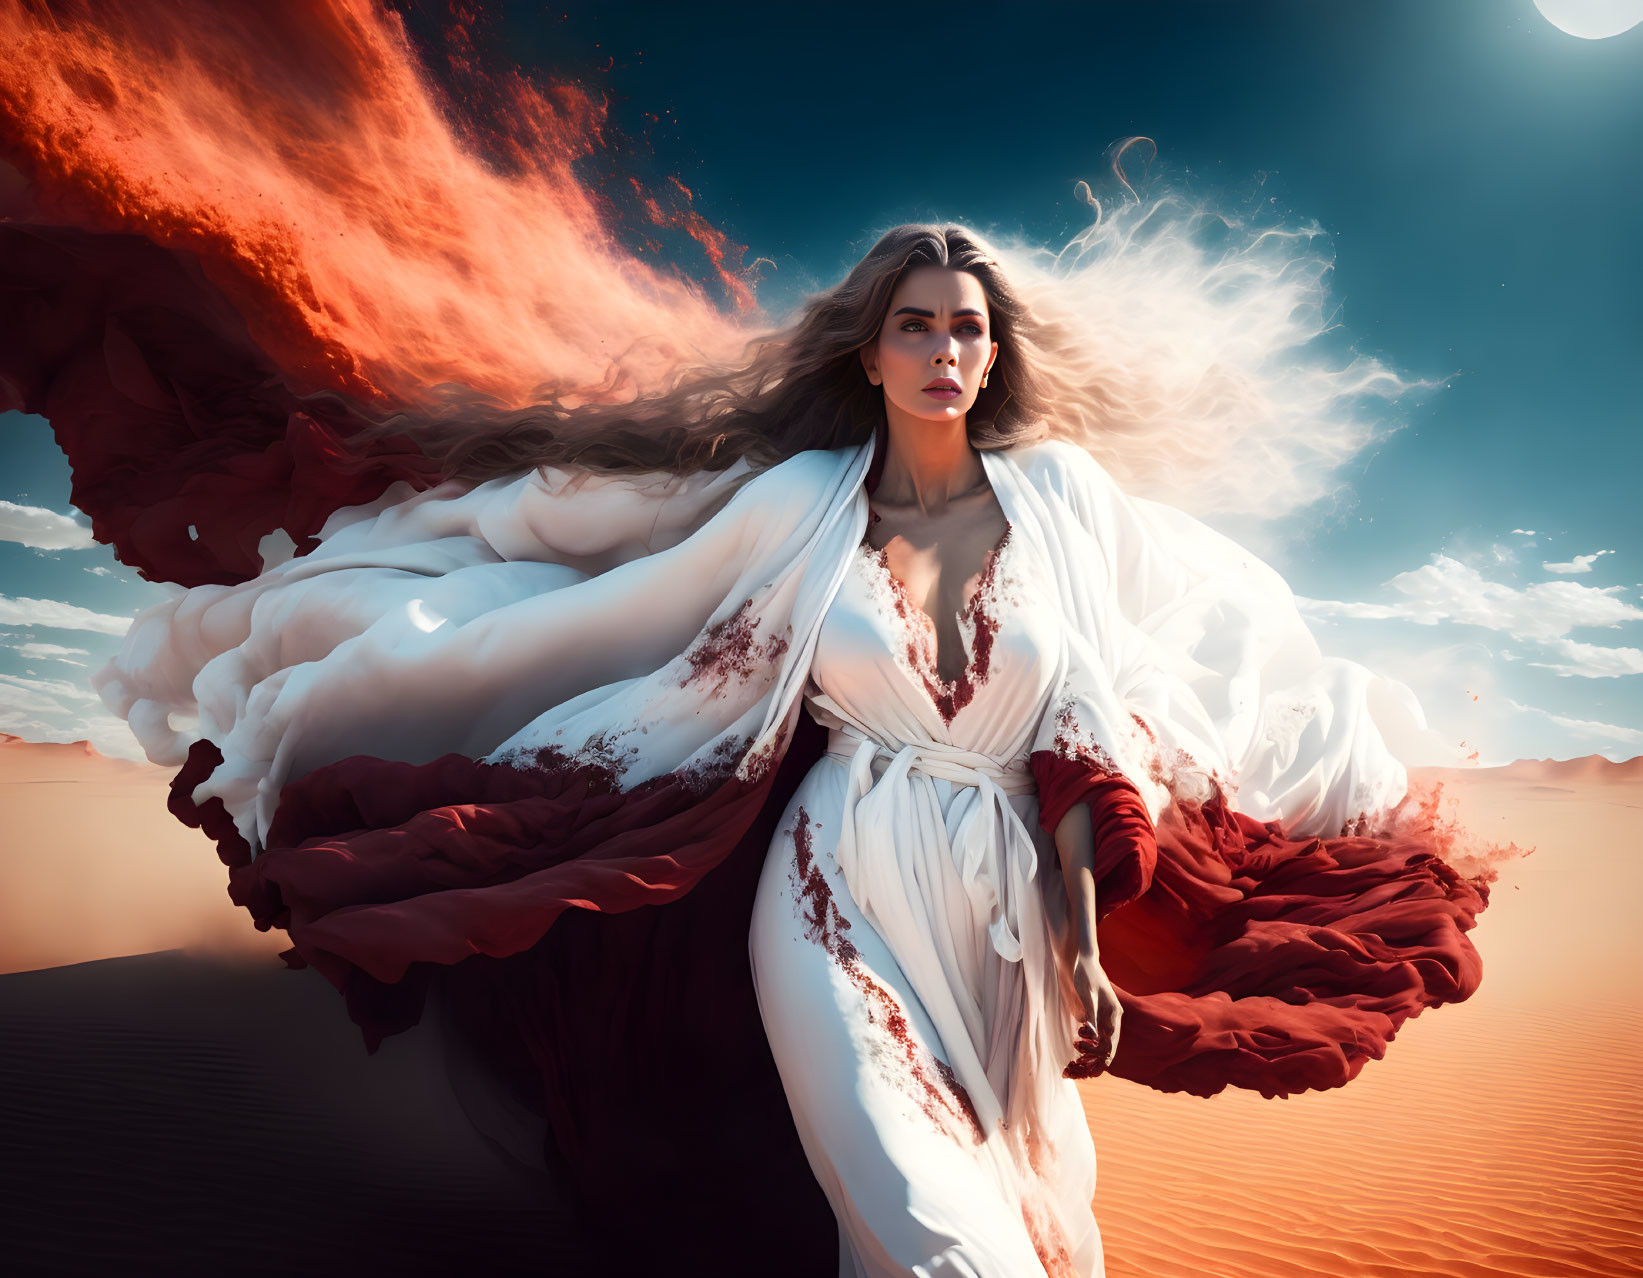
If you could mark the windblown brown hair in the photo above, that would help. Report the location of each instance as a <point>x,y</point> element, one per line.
<point>799,388</point>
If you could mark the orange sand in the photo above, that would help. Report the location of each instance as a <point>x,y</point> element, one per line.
<point>92,865</point>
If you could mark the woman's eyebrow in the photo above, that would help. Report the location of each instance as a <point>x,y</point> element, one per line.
<point>914,310</point>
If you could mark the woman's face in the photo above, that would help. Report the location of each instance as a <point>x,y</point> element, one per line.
<point>937,331</point>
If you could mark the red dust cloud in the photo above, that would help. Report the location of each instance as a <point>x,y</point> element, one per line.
<point>381,231</point>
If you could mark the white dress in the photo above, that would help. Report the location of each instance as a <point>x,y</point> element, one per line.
<point>900,997</point>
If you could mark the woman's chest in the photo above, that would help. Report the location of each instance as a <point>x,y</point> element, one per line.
<point>875,641</point>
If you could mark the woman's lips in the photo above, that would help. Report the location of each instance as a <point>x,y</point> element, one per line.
<point>941,392</point>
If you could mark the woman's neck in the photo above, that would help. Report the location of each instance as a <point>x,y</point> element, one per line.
<point>927,464</point>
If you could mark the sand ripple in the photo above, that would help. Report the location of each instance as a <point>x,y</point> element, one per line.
<point>1488,1142</point>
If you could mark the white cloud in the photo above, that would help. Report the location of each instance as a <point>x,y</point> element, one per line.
<point>108,735</point>
<point>1593,661</point>
<point>16,611</point>
<point>101,570</point>
<point>1524,532</point>
<point>1579,564</point>
<point>1586,727</point>
<point>22,723</point>
<point>50,687</point>
<point>1447,590</point>
<point>31,709</point>
<point>41,528</point>
<point>1355,611</point>
<point>28,702</point>
<point>50,652</point>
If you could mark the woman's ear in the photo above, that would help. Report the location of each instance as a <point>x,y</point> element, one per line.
<point>870,361</point>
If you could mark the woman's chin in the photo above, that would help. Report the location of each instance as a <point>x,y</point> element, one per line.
<point>937,413</point>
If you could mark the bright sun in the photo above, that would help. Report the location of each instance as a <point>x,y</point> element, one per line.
<point>1592,19</point>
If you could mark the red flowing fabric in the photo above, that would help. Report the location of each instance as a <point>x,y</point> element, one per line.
<point>1245,957</point>
<point>1280,964</point>
<point>187,446</point>
<point>530,893</point>
<point>1126,849</point>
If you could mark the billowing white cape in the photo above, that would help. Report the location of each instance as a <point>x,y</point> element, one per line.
<point>587,614</point>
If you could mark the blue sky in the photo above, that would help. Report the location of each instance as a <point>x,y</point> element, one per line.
<point>1477,170</point>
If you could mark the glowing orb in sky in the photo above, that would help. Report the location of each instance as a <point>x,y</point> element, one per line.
<point>1592,19</point>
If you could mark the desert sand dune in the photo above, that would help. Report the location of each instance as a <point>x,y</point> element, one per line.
<point>167,1113</point>
<point>207,1110</point>
<point>92,865</point>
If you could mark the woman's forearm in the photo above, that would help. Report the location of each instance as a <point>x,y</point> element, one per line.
<point>1075,845</point>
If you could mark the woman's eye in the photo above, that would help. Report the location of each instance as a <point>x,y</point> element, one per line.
<point>908,327</point>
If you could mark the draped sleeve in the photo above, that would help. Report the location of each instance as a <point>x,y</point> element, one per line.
<point>1088,751</point>
<point>452,619</point>
<point>470,709</point>
<point>1210,662</point>
<point>1291,905</point>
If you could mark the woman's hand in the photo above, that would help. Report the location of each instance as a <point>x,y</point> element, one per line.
<point>1100,1009</point>
<point>1102,1015</point>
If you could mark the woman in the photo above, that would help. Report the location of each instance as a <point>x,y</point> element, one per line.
<point>953,774</point>
<point>901,952</point>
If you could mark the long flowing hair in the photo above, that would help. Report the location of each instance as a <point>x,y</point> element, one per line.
<point>799,387</point>
<point>1191,349</point>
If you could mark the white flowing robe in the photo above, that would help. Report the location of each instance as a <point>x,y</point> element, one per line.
<point>539,611</point>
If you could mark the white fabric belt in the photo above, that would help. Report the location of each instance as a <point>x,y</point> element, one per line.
<point>891,844</point>
<point>950,763</point>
